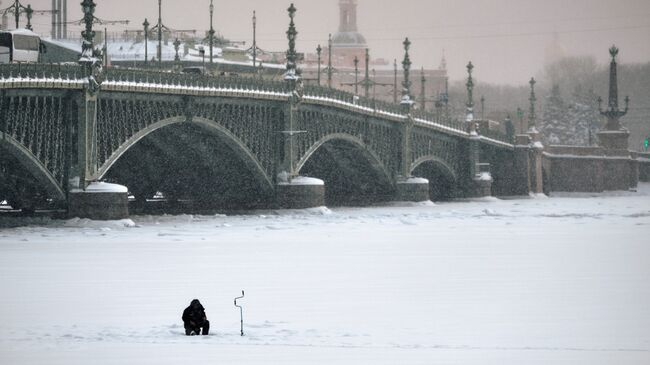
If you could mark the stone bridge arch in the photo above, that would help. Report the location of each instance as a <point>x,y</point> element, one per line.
<point>436,161</point>
<point>34,166</point>
<point>443,180</point>
<point>218,130</point>
<point>367,153</point>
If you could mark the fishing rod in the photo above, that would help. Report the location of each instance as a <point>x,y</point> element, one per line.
<point>241,312</point>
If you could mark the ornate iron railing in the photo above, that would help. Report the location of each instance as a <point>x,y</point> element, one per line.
<point>496,135</point>
<point>194,80</point>
<point>41,71</point>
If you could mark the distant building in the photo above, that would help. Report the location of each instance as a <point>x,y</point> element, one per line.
<point>348,43</point>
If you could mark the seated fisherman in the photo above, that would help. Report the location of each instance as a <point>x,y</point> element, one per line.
<point>194,319</point>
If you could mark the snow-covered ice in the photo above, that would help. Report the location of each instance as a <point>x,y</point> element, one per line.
<point>562,280</point>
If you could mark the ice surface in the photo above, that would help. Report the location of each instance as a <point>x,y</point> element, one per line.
<point>102,187</point>
<point>414,180</point>
<point>303,180</point>
<point>562,280</point>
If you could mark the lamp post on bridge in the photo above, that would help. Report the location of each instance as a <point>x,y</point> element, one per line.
<point>330,70</point>
<point>366,80</point>
<point>406,105</point>
<point>356,75</point>
<point>289,192</point>
<point>292,77</point>
<point>202,53</point>
<point>469,112</point>
<point>395,81</point>
<point>532,114</point>
<point>408,189</point>
<point>319,50</point>
<point>146,42</point>
<point>407,101</point>
<point>482,107</point>
<point>211,35</point>
<point>254,40</point>
<point>423,96</point>
<point>520,115</point>
<point>614,135</point>
<point>177,58</point>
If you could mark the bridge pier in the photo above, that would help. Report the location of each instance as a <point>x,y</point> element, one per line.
<point>99,201</point>
<point>300,193</point>
<point>480,184</point>
<point>527,172</point>
<point>414,189</point>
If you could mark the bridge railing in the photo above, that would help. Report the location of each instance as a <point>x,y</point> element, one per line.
<point>440,119</point>
<point>192,80</point>
<point>41,71</point>
<point>496,135</point>
<point>322,92</point>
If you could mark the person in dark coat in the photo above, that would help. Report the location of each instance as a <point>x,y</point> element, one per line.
<point>194,319</point>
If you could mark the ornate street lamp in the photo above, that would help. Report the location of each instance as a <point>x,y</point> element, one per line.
<point>482,107</point>
<point>532,115</point>
<point>160,30</point>
<point>366,80</point>
<point>88,35</point>
<point>292,74</point>
<point>406,84</point>
<point>520,115</point>
<point>202,53</point>
<point>395,81</point>
<point>613,114</point>
<point>254,40</point>
<point>356,75</point>
<point>146,42</point>
<point>329,62</point>
<point>423,95</point>
<point>211,32</point>
<point>319,50</point>
<point>177,58</point>
<point>470,100</point>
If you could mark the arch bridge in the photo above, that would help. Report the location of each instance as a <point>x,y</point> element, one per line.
<point>241,142</point>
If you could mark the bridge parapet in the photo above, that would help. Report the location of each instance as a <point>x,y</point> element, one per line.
<point>139,76</point>
<point>41,71</point>
<point>46,76</point>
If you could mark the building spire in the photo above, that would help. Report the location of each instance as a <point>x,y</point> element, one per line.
<point>348,16</point>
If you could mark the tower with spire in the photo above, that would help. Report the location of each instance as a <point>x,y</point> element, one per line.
<point>348,43</point>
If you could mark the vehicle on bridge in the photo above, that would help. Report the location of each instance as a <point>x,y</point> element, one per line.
<point>20,45</point>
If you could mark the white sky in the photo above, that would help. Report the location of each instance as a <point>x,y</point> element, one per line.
<point>505,39</point>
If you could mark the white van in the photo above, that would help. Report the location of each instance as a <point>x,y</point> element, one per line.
<point>19,45</point>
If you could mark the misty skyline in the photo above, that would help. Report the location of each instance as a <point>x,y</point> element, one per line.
<point>507,40</point>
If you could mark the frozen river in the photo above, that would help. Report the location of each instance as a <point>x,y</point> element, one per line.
<point>564,280</point>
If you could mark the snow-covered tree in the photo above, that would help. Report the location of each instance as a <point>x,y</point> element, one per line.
<point>555,126</point>
<point>573,122</point>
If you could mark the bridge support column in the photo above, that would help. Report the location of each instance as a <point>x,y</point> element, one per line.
<point>300,193</point>
<point>99,201</point>
<point>535,165</point>
<point>480,184</point>
<point>413,189</point>
<point>527,175</point>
